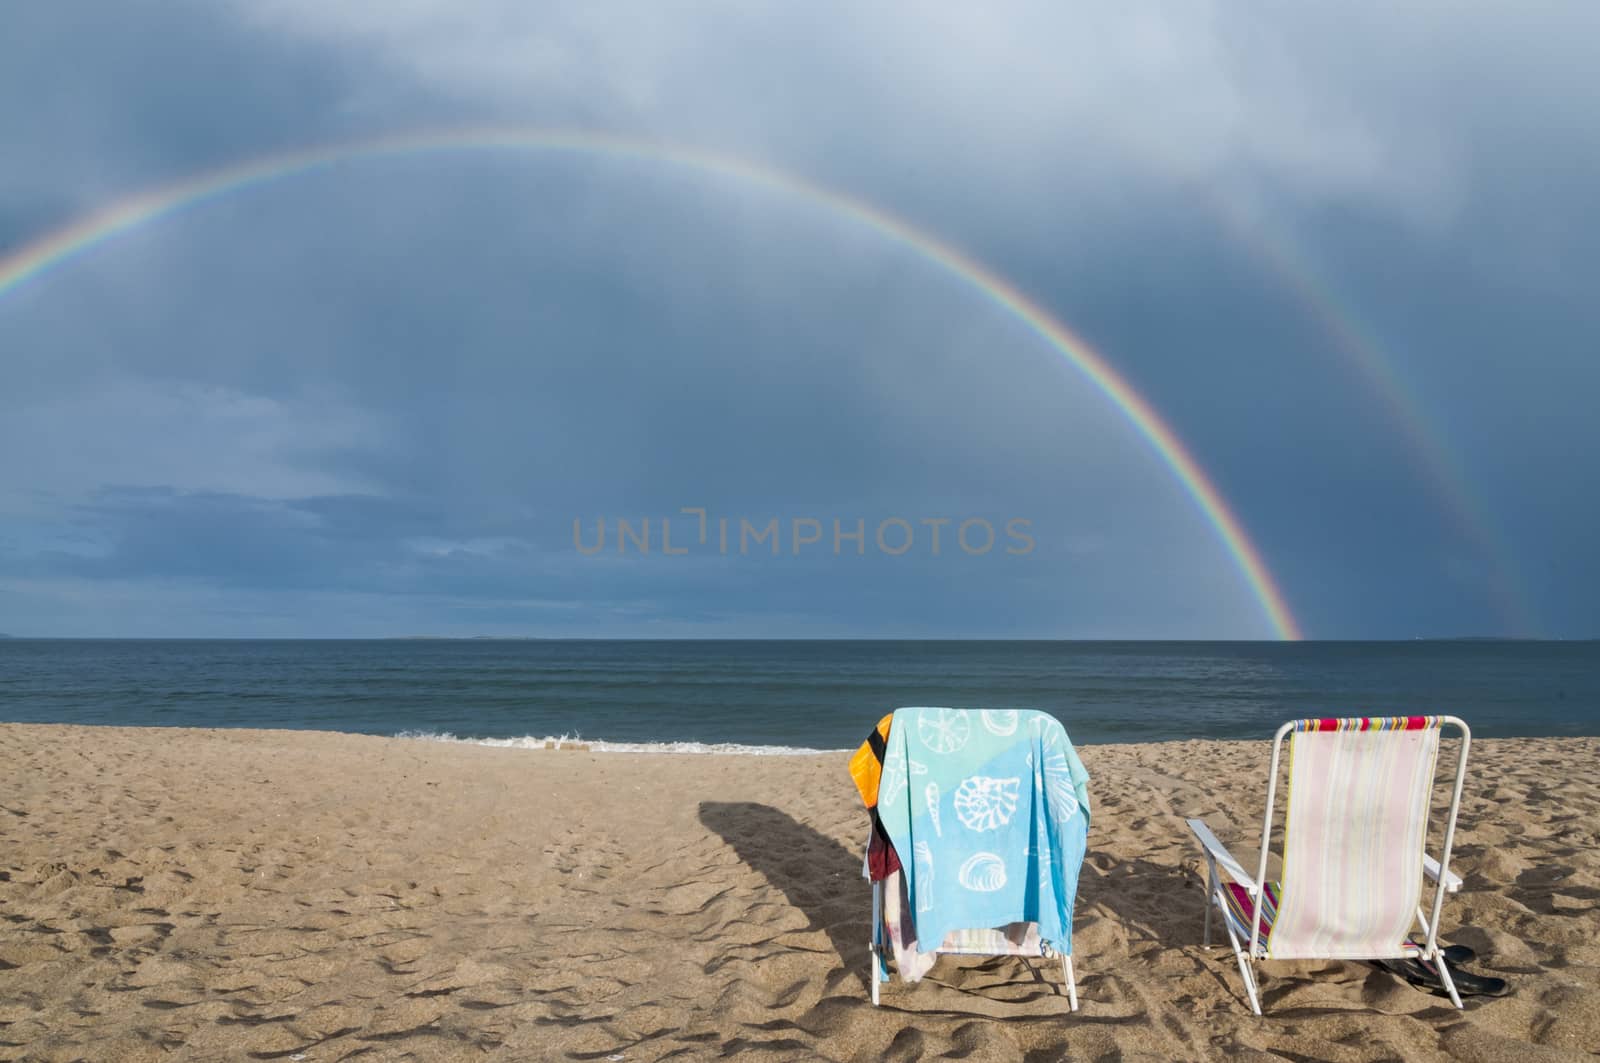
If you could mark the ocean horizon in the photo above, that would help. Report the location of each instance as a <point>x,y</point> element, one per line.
<point>789,695</point>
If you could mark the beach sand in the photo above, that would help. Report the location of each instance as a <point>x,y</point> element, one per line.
<point>296,895</point>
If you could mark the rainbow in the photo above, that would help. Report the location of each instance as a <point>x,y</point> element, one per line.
<point>53,250</point>
<point>1359,344</point>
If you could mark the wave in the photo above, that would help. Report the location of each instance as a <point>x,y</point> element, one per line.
<point>591,745</point>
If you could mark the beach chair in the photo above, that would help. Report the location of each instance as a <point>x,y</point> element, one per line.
<point>1002,796</point>
<point>1017,940</point>
<point>1354,857</point>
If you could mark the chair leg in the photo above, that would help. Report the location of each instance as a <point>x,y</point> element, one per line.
<point>1449,983</point>
<point>1249,983</point>
<point>1422,921</point>
<point>873,964</point>
<point>1211,891</point>
<point>1072,983</point>
<point>1244,964</point>
<point>875,945</point>
<point>1438,960</point>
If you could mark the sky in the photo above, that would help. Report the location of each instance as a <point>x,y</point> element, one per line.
<point>1346,255</point>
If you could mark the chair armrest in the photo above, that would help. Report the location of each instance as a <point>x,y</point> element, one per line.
<point>1430,867</point>
<point>1216,852</point>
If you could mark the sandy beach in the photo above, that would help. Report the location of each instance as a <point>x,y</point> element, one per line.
<point>296,895</point>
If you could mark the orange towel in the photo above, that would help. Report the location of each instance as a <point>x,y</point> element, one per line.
<point>866,766</point>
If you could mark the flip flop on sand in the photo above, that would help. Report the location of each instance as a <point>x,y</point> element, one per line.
<point>1422,973</point>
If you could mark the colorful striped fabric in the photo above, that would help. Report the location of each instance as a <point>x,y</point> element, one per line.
<point>1370,723</point>
<point>1357,818</point>
<point>1241,912</point>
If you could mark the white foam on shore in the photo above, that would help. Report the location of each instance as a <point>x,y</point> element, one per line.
<point>600,746</point>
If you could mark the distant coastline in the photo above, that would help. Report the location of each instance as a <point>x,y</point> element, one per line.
<point>470,638</point>
<point>1400,640</point>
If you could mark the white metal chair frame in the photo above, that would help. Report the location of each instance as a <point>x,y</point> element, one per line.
<point>879,962</point>
<point>1439,871</point>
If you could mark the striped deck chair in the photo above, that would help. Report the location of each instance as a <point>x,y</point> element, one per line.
<point>1354,859</point>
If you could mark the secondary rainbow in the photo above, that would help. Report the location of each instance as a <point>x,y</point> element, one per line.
<point>34,260</point>
<point>1292,263</point>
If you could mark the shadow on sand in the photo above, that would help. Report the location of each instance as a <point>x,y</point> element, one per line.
<point>816,874</point>
<point>823,880</point>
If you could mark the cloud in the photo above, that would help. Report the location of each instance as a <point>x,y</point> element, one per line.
<point>212,553</point>
<point>123,429</point>
<point>1187,92</point>
<point>405,377</point>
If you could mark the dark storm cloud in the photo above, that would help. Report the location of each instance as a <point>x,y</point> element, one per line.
<point>373,400</point>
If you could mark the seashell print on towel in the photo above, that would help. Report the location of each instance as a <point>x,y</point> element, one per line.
<point>892,780</point>
<point>983,803</point>
<point>1001,722</point>
<point>944,730</point>
<point>1058,784</point>
<point>982,873</point>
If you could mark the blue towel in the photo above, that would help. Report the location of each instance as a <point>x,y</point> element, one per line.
<point>989,812</point>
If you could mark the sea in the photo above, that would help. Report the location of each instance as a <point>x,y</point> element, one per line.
<point>786,696</point>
